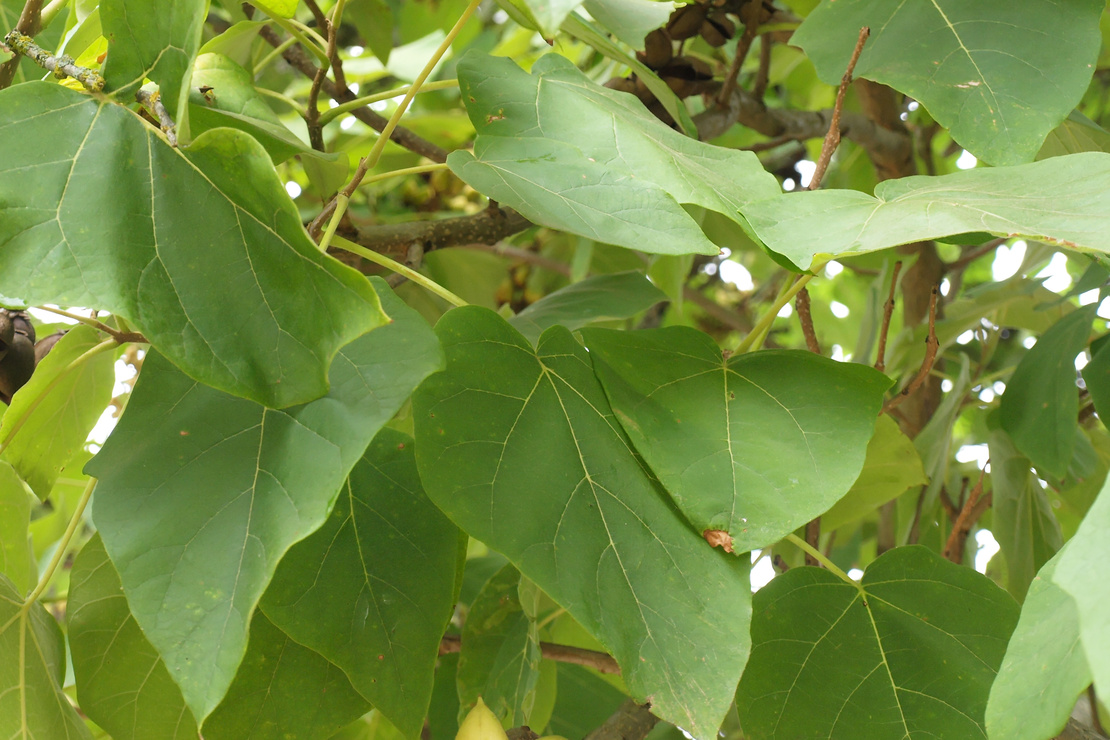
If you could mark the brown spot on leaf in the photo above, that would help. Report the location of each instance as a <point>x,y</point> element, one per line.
<point>718,538</point>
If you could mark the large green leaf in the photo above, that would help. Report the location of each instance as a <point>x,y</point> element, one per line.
<point>1044,670</point>
<point>283,690</point>
<point>155,41</point>
<point>500,656</point>
<point>372,590</point>
<point>1083,571</point>
<point>911,652</point>
<point>544,16</point>
<point>629,20</point>
<point>32,666</point>
<point>520,448</point>
<point>17,560</point>
<point>1040,407</point>
<point>600,298</point>
<point>1023,523</point>
<point>755,444</point>
<point>570,154</point>
<point>1062,200</point>
<point>57,409</point>
<point>987,72</point>
<point>122,682</point>
<point>201,493</point>
<point>162,236</point>
<point>890,467</point>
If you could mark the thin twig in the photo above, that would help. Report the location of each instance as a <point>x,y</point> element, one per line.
<point>832,139</point>
<point>801,305</point>
<point>61,66</point>
<point>121,337</point>
<point>28,24</point>
<point>888,311</point>
<point>601,662</point>
<point>763,146</point>
<point>813,539</point>
<point>954,547</point>
<point>759,87</point>
<point>312,111</point>
<point>153,103</point>
<point>931,347</point>
<point>742,48</point>
<point>970,256</point>
<point>1095,721</point>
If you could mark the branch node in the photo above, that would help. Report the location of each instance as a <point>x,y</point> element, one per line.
<point>62,66</point>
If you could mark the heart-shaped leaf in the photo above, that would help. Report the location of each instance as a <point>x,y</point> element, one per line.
<point>911,651</point>
<point>753,445</point>
<point>227,486</point>
<point>573,155</point>
<point>958,60</point>
<point>520,448</point>
<point>160,237</point>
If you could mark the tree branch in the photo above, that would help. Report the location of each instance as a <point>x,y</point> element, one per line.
<point>631,721</point>
<point>601,662</point>
<point>832,139</point>
<point>28,25</point>
<point>969,514</point>
<point>485,227</point>
<point>888,311</point>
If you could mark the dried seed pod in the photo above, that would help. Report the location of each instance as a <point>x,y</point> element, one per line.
<point>16,367</point>
<point>621,84</point>
<point>724,24</point>
<point>686,22</point>
<point>712,34</point>
<point>44,345</point>
<point>658,49</point>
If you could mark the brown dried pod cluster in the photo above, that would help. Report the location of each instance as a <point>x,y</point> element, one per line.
<point>18,352</point>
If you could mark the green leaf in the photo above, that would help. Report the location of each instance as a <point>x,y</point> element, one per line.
<point>583,703</point>
<point>570,154</point>
<point>755,444</point>
<point>1044,670</point>
<point>890,467</point>
<point>600,298</point>
<point>500,656</point>
<point>372,590</point>
<point>1023,522</point>
<point>1096,375</point>
<point>234,101</point>
<point>544,16</point>
<point>374,21</point>
<point>1076,134</point>
<point>32,666</point>
<point>122,682</point>
<point>958,60</point>
<point>201,493</point>
<point>520,448</point>
<point>283,690</point>
<point>629,20</point>
<point>157,240</point>
<point>148,40</point>
<point>1061,201</point>
<point>17,560</point>
<point>236,43</point>
<point>1041,404</point>
<point>911,652</point>
<point>57,409</point>
<point>1083,571</point>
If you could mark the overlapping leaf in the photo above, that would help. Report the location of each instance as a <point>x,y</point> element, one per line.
<point>754,445</point>
<point>1083,572</point>
<point>201,493</point>
<point>32,667</point>
<point>57,409</point>
<point>570,154</point>
<point>599,298</point>
<point>911,652</point>
<point>161,236</point>
<point>1023,522</point>
<point>986,72</point>
<point>372,590</point>
<point>499,659</point>
<point>149,40</point>
<point>1044,670</point>
<point>122,682</point>
<point>284,690</point>
<point>17,560</point>
<point>1062,200</point>
<point>520,448</point>
<point>1041,403</point>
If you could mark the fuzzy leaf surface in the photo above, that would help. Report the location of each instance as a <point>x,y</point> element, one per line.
<point>572,155</point>
<point>126,243</point>
<point>520,448</point>
<point>202,493</point>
